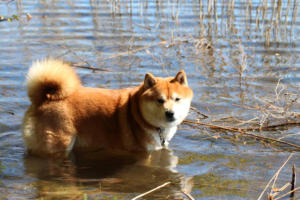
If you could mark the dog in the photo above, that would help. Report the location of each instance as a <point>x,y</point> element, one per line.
<point>65,116</point>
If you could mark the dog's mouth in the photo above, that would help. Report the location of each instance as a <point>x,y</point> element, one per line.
<point>170,120</point>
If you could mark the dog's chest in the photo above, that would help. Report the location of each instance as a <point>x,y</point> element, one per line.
<point>161,138</point>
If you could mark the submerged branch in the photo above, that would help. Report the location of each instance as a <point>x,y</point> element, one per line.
<point>242,132</point>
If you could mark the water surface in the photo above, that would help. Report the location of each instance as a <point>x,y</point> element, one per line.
<point>234,53</point>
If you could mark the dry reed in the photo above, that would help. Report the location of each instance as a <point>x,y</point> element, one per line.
<point>150,191</point>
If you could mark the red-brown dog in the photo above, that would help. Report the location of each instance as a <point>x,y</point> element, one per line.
<point>64,115</point>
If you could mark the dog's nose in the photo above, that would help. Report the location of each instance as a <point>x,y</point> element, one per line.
<point>170,115</point>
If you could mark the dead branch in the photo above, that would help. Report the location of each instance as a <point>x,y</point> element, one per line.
<point>199,113</point>
<point>82,66</point>
<point>275,110</point>
<point>242,132</point>
<point>126,53</point>
<point>284,195</point>
<point>150,191</point>
<point>190,197</point>
<point>268,127</point>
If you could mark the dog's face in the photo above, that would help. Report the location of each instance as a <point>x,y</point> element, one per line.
<point>165,102</point>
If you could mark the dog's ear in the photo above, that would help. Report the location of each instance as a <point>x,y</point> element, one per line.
<point>181,78</point>
<point>149,81</point>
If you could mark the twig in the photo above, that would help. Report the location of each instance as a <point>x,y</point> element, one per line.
<point>275,175</point>
<point>150,191</point>
<point>129,52</point>
<point>290,192</point>
<point>75,54</point>
<point>280,189</point>
<point>271,126</point>
<point>84,65</point>
<point>276,89</point>
<point>79,65</point>
<point>198,112</point>
<point>242,132</point>
<point>293,182</point>
<point>134,50</point>
<point>188,195</point>
<point>288,135</point>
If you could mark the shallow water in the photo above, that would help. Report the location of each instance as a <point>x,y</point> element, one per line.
<point>234,54</point>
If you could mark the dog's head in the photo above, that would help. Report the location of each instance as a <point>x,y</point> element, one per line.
<point>165,102</point>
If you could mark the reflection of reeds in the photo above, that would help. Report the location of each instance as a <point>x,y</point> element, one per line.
<point>217,18</point>
<point>271,18</point>
<point>243,63</point>
<point>295,10</point>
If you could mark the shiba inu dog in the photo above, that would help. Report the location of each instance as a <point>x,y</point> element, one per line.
<point>65,116</point>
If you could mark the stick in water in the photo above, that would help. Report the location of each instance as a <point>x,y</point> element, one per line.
<point>150,191</point>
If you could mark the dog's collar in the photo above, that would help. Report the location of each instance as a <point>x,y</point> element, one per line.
<point>161,136</point>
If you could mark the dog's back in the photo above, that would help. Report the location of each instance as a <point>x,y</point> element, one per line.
<point>62,110</point>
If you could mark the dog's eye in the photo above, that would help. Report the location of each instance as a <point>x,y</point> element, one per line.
<point>160,101</point>
<point>177,99</point>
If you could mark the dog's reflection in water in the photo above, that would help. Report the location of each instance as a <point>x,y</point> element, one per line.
<point>110,174</point>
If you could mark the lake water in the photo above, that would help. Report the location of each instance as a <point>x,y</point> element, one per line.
<point>241,59</point>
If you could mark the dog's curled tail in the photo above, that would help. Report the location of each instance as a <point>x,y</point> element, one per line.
<point>51,79</point>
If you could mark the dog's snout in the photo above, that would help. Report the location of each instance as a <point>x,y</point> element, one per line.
<point>170,115</point>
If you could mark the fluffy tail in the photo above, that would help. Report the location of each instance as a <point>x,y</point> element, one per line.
<point>51,80</point>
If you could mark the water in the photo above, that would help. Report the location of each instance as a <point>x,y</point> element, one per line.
<point>234,53</point>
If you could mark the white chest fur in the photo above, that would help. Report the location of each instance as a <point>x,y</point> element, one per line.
<point>161,138</point>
